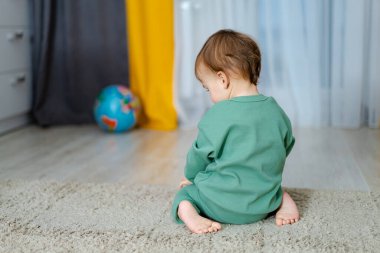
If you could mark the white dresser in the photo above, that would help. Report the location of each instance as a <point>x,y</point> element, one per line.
<point>15,64</point>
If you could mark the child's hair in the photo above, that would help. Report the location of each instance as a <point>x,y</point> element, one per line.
<point>231,52</point>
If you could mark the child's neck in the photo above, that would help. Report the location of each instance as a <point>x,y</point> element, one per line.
<point>241,87</point>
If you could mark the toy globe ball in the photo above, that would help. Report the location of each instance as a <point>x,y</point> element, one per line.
<point>116,109</point>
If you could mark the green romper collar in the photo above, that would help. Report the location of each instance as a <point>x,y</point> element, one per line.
<point>253,98</point>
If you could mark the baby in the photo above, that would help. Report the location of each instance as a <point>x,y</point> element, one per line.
<point>234,168</point>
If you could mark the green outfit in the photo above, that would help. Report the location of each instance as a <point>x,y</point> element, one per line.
<point>237,160</point>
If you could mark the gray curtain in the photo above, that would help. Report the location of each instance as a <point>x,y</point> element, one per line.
<point>78,47</point>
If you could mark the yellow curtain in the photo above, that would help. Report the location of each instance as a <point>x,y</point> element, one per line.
<point>150,31</point>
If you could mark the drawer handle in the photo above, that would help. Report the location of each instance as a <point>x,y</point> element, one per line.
<point>19,79</point>
<point>15,35</point>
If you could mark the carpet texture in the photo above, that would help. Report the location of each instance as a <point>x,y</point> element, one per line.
<point>59,217</point>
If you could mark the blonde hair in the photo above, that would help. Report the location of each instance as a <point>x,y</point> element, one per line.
<point>231,52</point>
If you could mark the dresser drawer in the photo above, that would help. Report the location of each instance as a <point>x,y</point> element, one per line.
<point>13,13</point>
<point>15,93</point>
<point>14,49</point>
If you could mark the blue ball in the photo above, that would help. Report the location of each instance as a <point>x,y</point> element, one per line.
<point>116,109</point>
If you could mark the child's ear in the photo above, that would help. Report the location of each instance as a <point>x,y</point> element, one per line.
<point>223,78</point>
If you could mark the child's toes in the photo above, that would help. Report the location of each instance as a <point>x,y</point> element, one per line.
<point>216,226</point>
<point>213,229</point>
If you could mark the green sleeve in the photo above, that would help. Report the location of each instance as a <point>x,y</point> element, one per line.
<point>289,138</point>
<point>199,156</point>
<point>289,142</point>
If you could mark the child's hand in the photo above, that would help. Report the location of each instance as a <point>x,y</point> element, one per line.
<point>184,182</point>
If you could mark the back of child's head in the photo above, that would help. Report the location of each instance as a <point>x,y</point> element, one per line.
<point>233,53</point>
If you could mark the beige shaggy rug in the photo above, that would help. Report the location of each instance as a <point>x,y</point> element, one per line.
<point>76,217</point>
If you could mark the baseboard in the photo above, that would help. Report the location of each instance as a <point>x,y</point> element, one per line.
<point>12,123</point>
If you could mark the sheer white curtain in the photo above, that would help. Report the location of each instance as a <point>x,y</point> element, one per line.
<point>321,58</point>
<point>355,63</point>
<point>293,58</point>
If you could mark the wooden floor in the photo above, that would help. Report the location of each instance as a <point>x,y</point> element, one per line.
<point>324,158</point>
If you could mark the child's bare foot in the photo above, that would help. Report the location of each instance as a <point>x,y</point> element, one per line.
<point>288,212</point>
<point>196,223</point>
